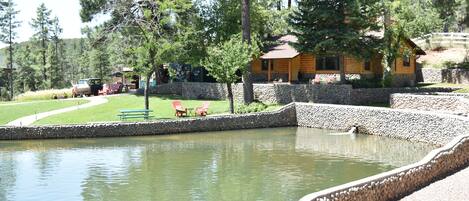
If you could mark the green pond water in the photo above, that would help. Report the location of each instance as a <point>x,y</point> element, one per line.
<point>258,164</point>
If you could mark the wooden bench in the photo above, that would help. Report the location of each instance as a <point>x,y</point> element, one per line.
<point>133,114</point>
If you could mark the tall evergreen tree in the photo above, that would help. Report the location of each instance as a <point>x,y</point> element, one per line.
<point>99,61</point>
<point>54,56</point>
<point>336,27</point>
<point>42,25</point>
<point>28,77</point>
<point>8,35</point>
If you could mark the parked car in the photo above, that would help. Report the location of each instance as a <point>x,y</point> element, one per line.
<point>87,87</point>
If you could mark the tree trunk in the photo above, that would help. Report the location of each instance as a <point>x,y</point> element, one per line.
<point>289,4</point>
<point>10,51</point>
<point>279,5</point>
<point>342,69</point>
<point>248,91</point>
<point>146,92</point>
<point>230,97</point>
<point>43,52</point>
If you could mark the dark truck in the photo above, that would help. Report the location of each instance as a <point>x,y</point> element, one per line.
<point>87,87</point>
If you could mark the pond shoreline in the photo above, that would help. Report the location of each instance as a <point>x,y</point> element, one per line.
<point>422,126</point>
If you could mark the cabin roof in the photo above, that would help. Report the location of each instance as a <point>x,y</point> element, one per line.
<point>285,51</point>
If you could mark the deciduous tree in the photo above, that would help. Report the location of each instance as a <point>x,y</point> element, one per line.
<point>226,59</point>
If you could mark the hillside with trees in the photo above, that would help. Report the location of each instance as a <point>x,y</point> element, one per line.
<point>149,34</point>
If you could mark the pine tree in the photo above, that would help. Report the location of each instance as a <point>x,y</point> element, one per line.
<point>8,35</point>
<point>28,77</point>
<point>336,27</point>
<point>99,61</point>
<point>54,64</point>
<point>42,25</point>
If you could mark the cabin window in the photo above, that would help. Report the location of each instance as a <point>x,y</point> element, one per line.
<point>327,63</point>
<point>406,60</point>
<point>367,65</point>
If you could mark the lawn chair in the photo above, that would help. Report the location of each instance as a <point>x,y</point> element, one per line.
<point>202,111</point>
<point>180,110</point>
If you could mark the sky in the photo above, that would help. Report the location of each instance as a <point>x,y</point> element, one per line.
<point>68,12</point>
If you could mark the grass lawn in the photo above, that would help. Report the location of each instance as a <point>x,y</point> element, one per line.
<point>464,87</point>
<point>161,106</point>
<point>9,112</point>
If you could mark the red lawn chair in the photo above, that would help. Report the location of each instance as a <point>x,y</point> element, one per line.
<point>180,110</point>
<point>202,111</point>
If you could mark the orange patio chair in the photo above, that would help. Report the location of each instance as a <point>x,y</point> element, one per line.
<point>202,111</point>
<point>180,110</point>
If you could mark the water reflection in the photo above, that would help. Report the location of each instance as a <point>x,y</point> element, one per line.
<point>365,148</point>
<point>261,164</point>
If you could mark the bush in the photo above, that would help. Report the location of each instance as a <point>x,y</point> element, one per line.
<point>366,83</point>
<point>452,64</point>
<point>45,95</point>
<point>387,81</point>
<point>251,108</point>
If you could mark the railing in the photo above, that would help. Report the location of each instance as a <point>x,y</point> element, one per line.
<point>443,40</point>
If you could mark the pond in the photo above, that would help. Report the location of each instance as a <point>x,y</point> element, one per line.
<point>259,164</point>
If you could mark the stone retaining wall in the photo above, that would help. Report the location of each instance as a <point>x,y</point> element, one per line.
<point>455,76</point>
<point>397,183</point>
<point>281,118</point>
<point>429,127</point>
<point>283,93</point>
<point>451,103</point>
<point>382,95</point>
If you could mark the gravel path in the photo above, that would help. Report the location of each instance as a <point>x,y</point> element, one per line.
<point>454,188</point>
<point>28,120</point>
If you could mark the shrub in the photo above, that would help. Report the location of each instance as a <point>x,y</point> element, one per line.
<point>452,64</point>
<point>251,108</point>
<point>45,95</point>
<point>366,83</point>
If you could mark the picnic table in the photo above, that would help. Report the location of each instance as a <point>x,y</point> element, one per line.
<point>132,114</point>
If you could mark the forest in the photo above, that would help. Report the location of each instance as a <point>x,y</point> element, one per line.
<point>148,34</point>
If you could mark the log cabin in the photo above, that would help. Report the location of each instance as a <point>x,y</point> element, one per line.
<point>284,63</point>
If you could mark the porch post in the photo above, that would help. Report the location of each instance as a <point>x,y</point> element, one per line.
<point>268,70</point>
<point>289,71</point>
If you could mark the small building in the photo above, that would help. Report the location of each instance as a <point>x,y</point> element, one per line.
<point>283,62</point>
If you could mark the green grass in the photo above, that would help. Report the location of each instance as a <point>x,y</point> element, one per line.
<point>10,112</point>
<point>108,112</point>
<point>464,88</point>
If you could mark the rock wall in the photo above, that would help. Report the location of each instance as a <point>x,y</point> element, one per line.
<point>455,76</point>
<point>429,75</point>
<point>283,93</point>
<point>429,127</point>
<point>397,183</point>
<point>382,95</point>
<point>451,103</point>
